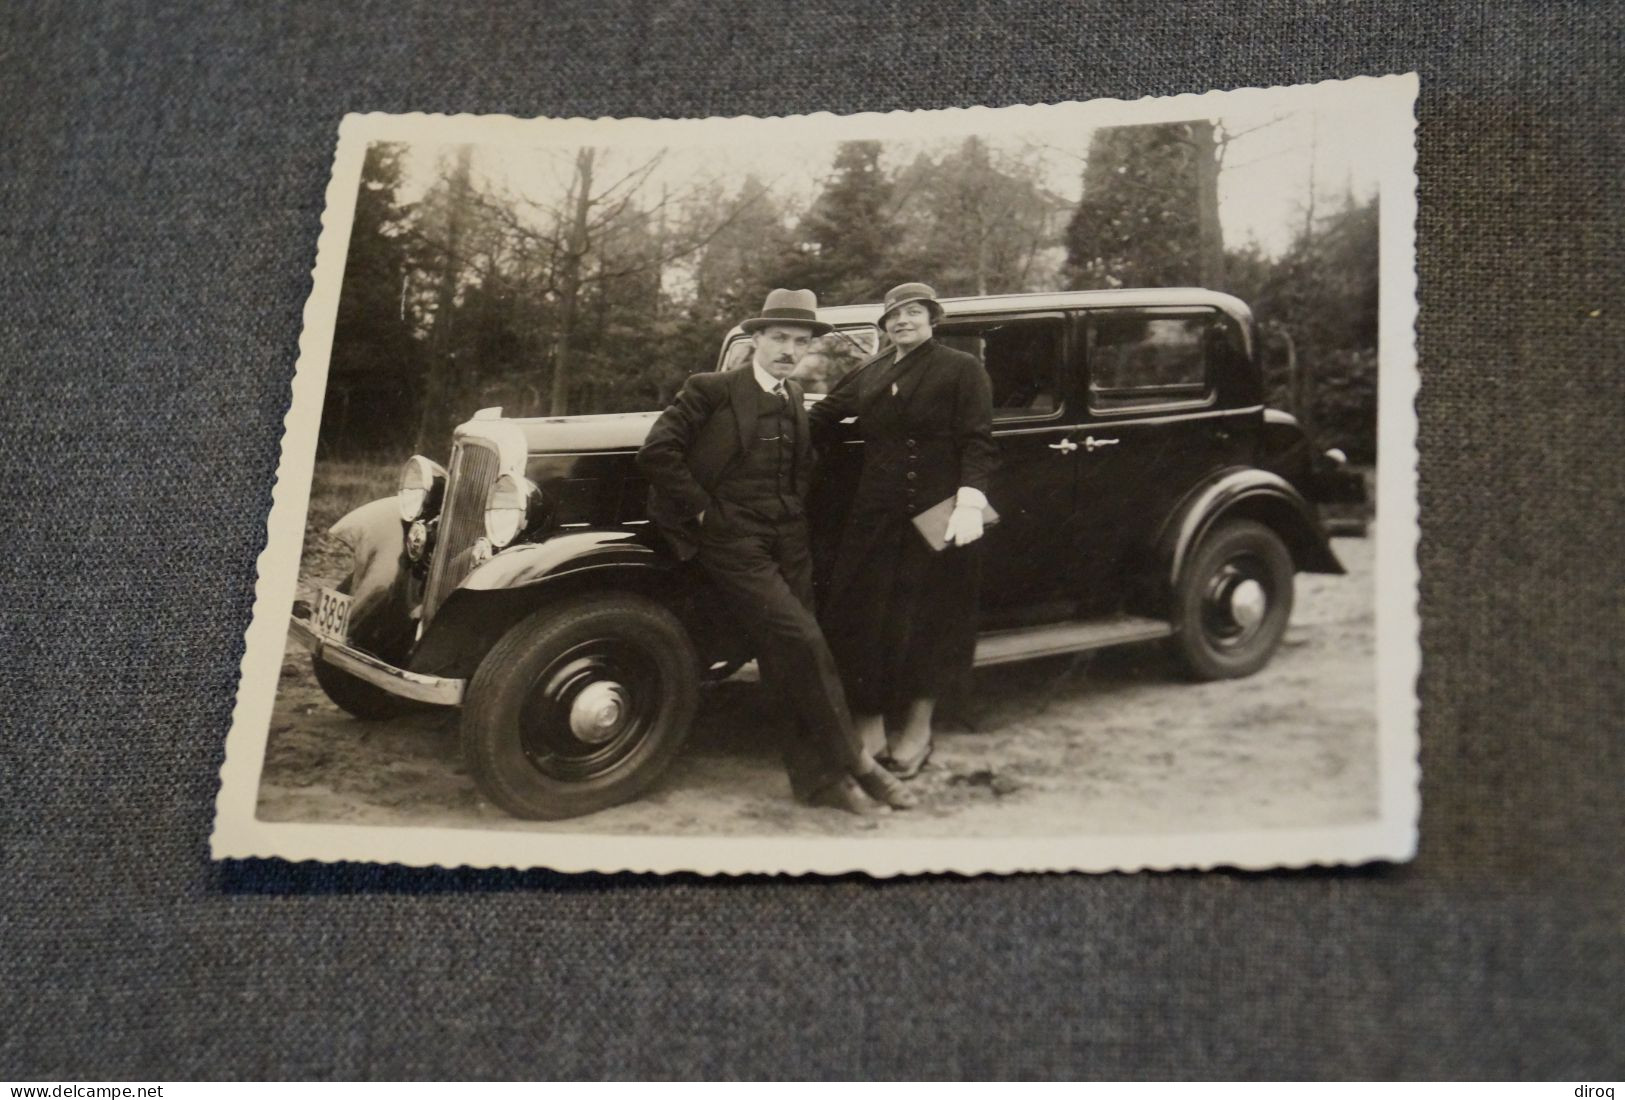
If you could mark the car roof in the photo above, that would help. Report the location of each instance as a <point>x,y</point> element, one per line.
<point>869,312</point>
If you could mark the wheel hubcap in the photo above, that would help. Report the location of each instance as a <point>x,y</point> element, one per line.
<point>596,713</point>
<point>1248,602</point>
<point>590,708</point>
<point>1237,602</point>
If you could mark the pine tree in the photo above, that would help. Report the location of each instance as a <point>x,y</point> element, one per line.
<point>374,363</point>
<point>1149,211</point>
<point>849,236</point>
<point>975,224</point>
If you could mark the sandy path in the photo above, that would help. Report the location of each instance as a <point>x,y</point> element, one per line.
<point>1105,743</point>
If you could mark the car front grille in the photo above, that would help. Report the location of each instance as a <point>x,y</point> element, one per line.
<point>462,520</point>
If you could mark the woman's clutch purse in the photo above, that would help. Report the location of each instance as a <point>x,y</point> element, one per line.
<point>933,522</point>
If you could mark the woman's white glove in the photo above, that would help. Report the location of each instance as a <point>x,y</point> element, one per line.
<point>964,525</point>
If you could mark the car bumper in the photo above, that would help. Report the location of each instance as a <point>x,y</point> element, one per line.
<point>381,674</point>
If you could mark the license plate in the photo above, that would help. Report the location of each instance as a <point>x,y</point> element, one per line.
<point>333,616</point>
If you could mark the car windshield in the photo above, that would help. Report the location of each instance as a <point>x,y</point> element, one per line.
<point>828,360</point>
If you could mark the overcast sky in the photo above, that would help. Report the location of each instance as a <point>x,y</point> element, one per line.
<point>1263,187</point>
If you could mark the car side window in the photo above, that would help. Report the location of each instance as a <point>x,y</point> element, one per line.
<point>1136,361</point>
<point>737,354</point>
<point>832,357</point>
<point>1022,357</point>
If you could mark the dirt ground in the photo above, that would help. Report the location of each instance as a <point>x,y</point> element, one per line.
<point>1110,742</point>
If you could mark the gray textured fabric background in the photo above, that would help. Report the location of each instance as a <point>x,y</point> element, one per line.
<point>162,170</point>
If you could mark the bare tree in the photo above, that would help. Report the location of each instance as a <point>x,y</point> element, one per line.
<point>574,255</point>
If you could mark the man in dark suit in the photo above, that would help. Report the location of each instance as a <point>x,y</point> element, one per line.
<point>728,465</point>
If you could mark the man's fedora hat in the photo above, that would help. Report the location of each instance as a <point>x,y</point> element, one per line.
<point>904,293</point>
<point>789,307</point>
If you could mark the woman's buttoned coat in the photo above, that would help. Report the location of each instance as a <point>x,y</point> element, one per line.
<point>901,618</point>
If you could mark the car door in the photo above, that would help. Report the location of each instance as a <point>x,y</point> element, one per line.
<point>1029,553</point>
<point>1154,426</point>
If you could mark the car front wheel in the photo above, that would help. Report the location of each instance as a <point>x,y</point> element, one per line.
<point>580,707</point>
<point>1233,601</point>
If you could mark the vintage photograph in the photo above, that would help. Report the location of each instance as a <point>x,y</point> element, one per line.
<point>971,491</point>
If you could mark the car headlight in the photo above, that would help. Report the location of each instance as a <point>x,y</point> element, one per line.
<point>422,487</point>
<point>514,502</point>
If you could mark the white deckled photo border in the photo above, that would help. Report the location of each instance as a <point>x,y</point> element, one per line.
<point>1391,836</point>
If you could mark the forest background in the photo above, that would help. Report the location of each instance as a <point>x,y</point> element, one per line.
<point>593,280</point>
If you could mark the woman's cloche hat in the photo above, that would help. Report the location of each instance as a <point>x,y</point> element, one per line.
<point>789,307</point>
<point>904,293</point>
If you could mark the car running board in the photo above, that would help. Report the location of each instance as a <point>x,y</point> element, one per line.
<point>1002,646</point>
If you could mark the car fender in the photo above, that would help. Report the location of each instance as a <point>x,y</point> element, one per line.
<point>563,554</point>
<point>380,582</point>
<point>513,583</point>
<point>1247,493</point>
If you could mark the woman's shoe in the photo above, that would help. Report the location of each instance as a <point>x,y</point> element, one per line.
<point>882,786</point>
<point>908,769</point>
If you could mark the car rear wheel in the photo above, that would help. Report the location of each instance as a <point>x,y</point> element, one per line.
<point>580,707</point>
<point>1233,601</point>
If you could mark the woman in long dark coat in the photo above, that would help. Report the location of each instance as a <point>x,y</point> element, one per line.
<point>900,617</point>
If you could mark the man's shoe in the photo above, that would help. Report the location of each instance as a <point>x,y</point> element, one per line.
<point>846,795</point>
<point>884,787</point>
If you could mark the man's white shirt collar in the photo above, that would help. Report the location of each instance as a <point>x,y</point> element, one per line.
<point>765,380</point>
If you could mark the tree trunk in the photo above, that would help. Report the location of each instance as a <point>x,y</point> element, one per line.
<point>575,254</point>
<point>439,380</point>
<point>981,256</point>
<point>1210,235</point>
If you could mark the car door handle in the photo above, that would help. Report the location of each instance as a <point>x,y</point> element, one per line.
<point>1065,446</point>
<point>1090,443</point>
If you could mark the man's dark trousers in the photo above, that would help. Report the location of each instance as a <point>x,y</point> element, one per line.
<point>763,570</point>
<point>743,458</point>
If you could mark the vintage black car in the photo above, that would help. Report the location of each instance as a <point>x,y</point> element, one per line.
<point>1145,493</point>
